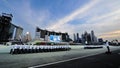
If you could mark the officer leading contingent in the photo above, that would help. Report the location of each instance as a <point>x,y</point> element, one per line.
<point>108,48</point>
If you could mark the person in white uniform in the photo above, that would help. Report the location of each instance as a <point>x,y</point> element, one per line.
<point>108,48</point>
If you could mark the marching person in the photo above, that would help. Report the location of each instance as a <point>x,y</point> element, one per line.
<point>108,48</point>
<point>12,49</point>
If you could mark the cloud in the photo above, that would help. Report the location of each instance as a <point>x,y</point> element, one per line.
<point>112,34</point>
<point>26,16</point>
<point>73,15</point>
<point>112,14</point>
<point>100,16</point>
<point>34,18</point>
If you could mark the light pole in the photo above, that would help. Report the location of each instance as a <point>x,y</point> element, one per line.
<point>27,38</point>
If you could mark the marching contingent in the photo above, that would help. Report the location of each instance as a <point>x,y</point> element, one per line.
<point>23,49</point>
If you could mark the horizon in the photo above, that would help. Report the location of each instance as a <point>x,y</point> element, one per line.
<point>63,16</point>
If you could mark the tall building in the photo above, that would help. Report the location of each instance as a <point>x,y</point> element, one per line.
<point>18,33</point>
<point>5,24</point>
<point>7,29</point>
<point>12,31</point>
<point>74,37</point>
<point>92,36</point>
<point>77,36</point>
<point>82,39</point>
<point>77,39</point>
<point>89,38</point>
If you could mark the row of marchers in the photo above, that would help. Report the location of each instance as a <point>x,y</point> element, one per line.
<point>22,49</point>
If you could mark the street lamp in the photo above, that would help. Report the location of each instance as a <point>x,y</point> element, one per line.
<point>27,38</point>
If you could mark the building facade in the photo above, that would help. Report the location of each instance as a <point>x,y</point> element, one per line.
<point>18,33</point>
<point>44,35</point>
<point>7,29</point>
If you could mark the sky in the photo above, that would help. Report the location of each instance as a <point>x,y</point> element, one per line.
<point>72,16</point>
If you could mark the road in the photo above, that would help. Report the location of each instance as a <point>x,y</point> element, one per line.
<point>97,61</point>
<point>36,59</point>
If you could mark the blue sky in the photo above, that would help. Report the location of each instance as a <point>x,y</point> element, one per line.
<point>72,16</point>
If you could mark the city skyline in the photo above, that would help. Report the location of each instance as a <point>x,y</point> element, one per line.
<point>66,16</point>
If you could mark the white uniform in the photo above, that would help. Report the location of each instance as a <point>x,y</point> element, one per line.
<point>108,49</point>
<point>107,44</point>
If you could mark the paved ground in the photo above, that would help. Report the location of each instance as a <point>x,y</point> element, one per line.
<point>28,60</point>
<point>97,61</point>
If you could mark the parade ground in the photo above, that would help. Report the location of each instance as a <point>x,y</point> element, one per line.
<point>77,57</point>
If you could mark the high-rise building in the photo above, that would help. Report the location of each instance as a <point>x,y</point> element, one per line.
<point>5,21</point>
<point>89,38</point>
<point>82,39</point>
<point>18,33</point>
<point>5,24</point>
<point>12,32</point>
<point>74,37</point>
<point>7,29</point>
<point>92,36</point>
<point>77,36</point>
<point>77,39</point>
